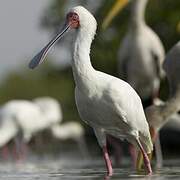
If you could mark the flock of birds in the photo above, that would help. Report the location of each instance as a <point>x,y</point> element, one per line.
<point>20,120</point>
<point>110,105</point>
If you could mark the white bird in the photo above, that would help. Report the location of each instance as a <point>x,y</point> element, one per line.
<point>51,109</point>
<point>159,113</point>
<point>28,118</point>
<point>141,52</point>
<point>49,114</point>
<point>8,129</point>
<point>71,130</point>
<point>108,104</point>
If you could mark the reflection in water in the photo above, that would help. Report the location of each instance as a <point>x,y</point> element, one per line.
<point>76,169</point>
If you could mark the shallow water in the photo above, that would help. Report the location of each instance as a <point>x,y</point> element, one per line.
<point>77,169</point>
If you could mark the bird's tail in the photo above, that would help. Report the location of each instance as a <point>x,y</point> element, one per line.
<point>146,142</point>
<point>139,162</point>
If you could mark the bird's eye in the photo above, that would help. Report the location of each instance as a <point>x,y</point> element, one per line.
<point>73,19</point>
<point>73,16</point>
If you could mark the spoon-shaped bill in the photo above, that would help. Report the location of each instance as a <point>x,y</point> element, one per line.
<point>39,58</point>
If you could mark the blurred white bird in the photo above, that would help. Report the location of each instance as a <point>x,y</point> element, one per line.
<point>159,113</point>
<point>71,130</point>
<point>28,118</point>
<point>141,52</point>
<point>108,104</point>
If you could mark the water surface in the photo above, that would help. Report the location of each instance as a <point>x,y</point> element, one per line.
<point>76,169</point>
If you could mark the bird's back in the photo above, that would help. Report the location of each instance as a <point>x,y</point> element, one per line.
<point>140,58</point>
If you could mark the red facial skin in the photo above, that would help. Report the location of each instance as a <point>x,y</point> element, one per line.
<point>73,20</point>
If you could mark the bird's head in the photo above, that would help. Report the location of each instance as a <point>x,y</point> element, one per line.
<point>85,19</point>
<point>77,18</point>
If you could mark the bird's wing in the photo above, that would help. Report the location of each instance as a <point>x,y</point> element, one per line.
<point>124,101</point>
<point>128,108</point>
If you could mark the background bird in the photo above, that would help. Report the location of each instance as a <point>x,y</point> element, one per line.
<point>159,113</point>
<point>141,52</point>
<point>25,119</point>
<point>108,104</point>
<point>140,55</point>
<point>71,130</point>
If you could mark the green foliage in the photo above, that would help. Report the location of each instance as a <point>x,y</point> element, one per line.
<point>45,81</point>
<point>163,16</point>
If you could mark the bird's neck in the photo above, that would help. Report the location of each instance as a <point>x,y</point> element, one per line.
<point>81,64</point>
<point>138,13</point>
<point>171,106</point>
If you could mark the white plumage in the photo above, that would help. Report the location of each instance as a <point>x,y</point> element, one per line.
<point>69,130</point>
<point>108,104</point>
<point>27,117</point>
<point>141,52</point>
<point>50,108</point>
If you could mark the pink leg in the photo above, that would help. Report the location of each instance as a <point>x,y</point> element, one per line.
<point>24,150</point>
<point>5,152</point>
<point>115,143</point>
<point>15,152</point>
<point>107,161</point>
<point>133,154</point>
<point>19,150</point>
<point>146,159</point>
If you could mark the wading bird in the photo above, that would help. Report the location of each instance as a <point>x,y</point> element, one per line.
<point>159,113</point>
<point>108,104</point>
<point>141,52</point>
<point>27,118</point>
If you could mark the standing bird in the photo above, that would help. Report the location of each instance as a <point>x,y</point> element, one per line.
<point>20,119</point>
<point>141,52</point>
<point>48,113</point>
<point>27,118</point>
<point>159,113</point>
<point>108,104</point>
